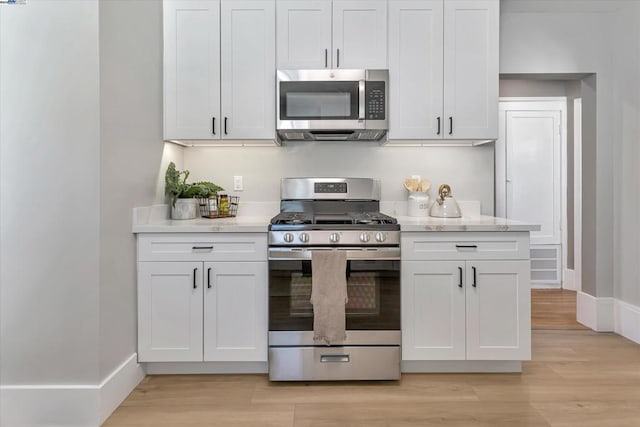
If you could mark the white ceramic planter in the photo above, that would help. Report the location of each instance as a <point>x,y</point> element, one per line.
<point>185,209</point>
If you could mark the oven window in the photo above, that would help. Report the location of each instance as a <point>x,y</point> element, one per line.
<point>373,290</point>
<point>319,100</point>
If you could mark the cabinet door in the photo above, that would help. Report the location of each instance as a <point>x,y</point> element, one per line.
<point>415,69</point>
<point>169,311</point>
<point>471,42</point>
<point>248,69</point>
<point>433,310</point>
<point>303,34</point>
<point>360,34</point>
<point>235,311</point>
<point>498,310</point>
<point>191,69</point>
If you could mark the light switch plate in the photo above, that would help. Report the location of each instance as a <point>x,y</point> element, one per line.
<point>237,183</point>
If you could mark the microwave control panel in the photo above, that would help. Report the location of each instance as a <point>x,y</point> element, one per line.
<point>374,97</point>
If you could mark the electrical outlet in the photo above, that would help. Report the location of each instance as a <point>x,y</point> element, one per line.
<point>237,183</point>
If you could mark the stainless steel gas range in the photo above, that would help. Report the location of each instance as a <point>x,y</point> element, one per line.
<point>334,214</point>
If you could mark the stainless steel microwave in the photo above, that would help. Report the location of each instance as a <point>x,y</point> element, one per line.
<point>332,105</point>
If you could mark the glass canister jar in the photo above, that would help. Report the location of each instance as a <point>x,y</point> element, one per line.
<point>223,203</point>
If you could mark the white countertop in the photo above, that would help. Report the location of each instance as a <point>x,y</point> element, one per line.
<point>153,219</point>
<point>465,223</point>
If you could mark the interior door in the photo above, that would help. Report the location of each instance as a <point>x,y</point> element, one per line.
<point>533,171</point>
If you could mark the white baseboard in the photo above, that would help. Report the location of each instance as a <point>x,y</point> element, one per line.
<point>171,368</point>
<point>627,320</point>
<point>595,313</point>
<point>460,366</point>
<point>81,405</point>
<point>542,285</point>
<point>117,386</point>
<point>569,280</point>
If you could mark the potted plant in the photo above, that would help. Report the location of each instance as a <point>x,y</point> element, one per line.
<point>183,196</point>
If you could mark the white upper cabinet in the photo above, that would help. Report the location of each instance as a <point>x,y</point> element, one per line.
<point>360,34</point>
<point>443,69</point>
<point>248,69</point>
<point>191,69</point>
<point>415,69</point>
<point>332,34</point>
<point>471,64</point>
<point>213,44</point>
<point>304,34</point>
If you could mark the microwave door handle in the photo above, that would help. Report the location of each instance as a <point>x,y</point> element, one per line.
<point>361,105</point>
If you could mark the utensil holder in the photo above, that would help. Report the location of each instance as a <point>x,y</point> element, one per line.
<point>418,204</point>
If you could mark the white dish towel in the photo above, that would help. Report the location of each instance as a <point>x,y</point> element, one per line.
<point>329,295</point>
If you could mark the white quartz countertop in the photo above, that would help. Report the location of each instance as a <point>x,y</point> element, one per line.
<point>471,223</point>
<point>153,219</point>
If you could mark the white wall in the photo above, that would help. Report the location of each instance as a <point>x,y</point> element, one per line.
<point>469,170</point>
<point>626,159</point>
<point>49,193</point>
<point>574,37</point>
<point>599,36</point>
<point>130,151</point>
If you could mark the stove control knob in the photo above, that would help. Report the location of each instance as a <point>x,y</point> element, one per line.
<point>334,238</point>
<point>364,237</point>
<point>304,237</point>
<point>380,237</point>
<point>288,237</point>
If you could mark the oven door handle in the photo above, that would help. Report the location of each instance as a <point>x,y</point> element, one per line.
<point>392,254</point>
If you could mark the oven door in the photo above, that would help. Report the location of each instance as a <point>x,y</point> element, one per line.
<point>373,290</point>
<point>321,99</point>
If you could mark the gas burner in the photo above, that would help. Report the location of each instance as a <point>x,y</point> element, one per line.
<point>292,218</point>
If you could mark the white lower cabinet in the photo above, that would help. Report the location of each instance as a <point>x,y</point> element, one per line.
<point>465,309</point>
<point>169,311</point>
<point>202,310</point>
<point>235,315</point>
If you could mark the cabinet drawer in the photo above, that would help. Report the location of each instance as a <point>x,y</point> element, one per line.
<point>438,245</point>
<point>203,247</point>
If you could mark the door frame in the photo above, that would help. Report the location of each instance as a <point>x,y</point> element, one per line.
<point>541,104</point>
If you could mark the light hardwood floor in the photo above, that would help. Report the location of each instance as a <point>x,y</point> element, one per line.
<point>576,378</point>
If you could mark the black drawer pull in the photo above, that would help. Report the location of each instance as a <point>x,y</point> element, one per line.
<point>467,246</point>
<point>202,248</point>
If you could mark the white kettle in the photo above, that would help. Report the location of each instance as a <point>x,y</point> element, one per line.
<point>445,206</point>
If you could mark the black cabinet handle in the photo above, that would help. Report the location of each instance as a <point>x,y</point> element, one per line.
<point>225,126</point>
<point>195,270</point>
<point>450,125</point>
<point>209,278</point>
<point>438,133</point>
<point>326,58</point>
<point>195,248</point>
<point>460,271</point>
<point>474,277</point>
<point>467,246</point>
<point>213,125</point>
<point>337,58</point>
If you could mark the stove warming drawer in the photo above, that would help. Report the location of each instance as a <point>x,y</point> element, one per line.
<point>322,363</point>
